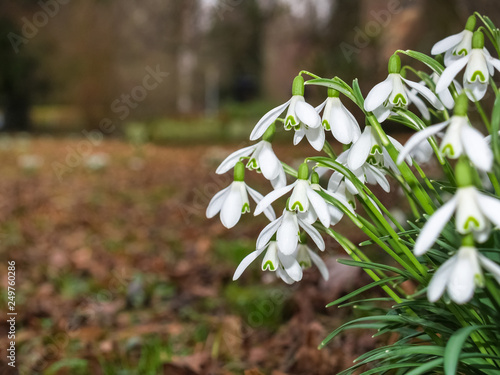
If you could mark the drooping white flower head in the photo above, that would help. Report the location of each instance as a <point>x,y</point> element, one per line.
<point>369,150</point>
<point>300,116</point>
<point>261,157</point>
<point>392,93</point>
<point>460,275</point>
<point>304,199</point>
<point>232,201</point>
<point>338,119</point>
<point>367,172</point>
<point>474,213</point>
<point>479,67</point>
<point>460,138</point>
<point>287,267</point>
<point>456,46</point>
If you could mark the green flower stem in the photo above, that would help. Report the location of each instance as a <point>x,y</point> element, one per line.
<point>309,74</point>
<point>349,247</point>
<point>383,208</point>
<point>408,175</point>
<point>328,149</point>
<point>483,116</point>
<point>494,182</point>
<point>397,243</point>
<point>428,182</point>
<point>389,251</point>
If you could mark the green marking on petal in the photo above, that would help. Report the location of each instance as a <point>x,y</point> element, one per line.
<point>252,164</point>
<point>297,205</point>
<point>477,74</point>
<point>479,280</point>
<point>289,122</point>
<point>376,148</point>
<point>448,150</point>
<point>326,124</point>
<point>471,220</point>
<point>399,100</point>
<point>245,208</point>
<point>268,266</point>
<point>462,52</point>
<point>304,264</point>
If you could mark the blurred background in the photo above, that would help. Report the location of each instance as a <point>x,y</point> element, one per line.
<point>113,117</point>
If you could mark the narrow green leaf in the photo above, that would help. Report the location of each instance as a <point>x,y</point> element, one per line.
<point>454,348</point>
<point>374,266</point>
<point>427,60</point>
<point>365,288</point>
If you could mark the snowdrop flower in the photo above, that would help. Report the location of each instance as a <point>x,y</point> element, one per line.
<point>457,45</point>
<point>336,214</point>
<point>392,93</point>
<point>365,173</point>
<point>287,228</point>
<point>338,119</point>
<point>287,267</point>
<point>368,149</point>
<point>303,199</point>
<point>232,201</point>
<point>474,212</point>
<point>460,138</point>
<point>261,157</point>
<point>300,116</point>
<point>479,67</point>
<point>460,275</point>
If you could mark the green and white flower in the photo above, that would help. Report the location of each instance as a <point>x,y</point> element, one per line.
<point>392,93</point>
<point>303,199</point>
<point>338,119</point>
<point>261,158</point>
<point>287,267</point>
<point>474,213</point>
<point>456,46</point>
<point>460,275</point>
<point>300,116</point>
<point>460,138</point>
<point>479,66</point>
<point>233,201</point>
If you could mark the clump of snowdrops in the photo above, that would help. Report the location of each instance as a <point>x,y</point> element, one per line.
<point>448,251</point>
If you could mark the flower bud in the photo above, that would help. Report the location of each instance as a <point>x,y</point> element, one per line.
<point>461,105</point>
<point>394,64</point>
<point>471,23</point>
<point>298,86</point>
<point>303,172</point>
<point>478,40</point>
<point>239,171</point>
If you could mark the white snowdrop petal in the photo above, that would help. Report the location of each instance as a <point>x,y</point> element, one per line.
<point>461,284</point>
<point>288,234</point>
<point>246,262</point>
<point>307,114</point>
<point>314,234</point>
<point>341,124</point>
<point>323,270</point>
<point>257,197</point>
<point>490,266</point>
<point>297,137</point>
<point>360,150</point>
<point>434,226</point>
<point>425,92</point>
<point>280,180</point>
<point>320,206</point>
<point>216,202</point>
<point>450,72</point>
<point>490,207</point>
<point>271,197</point>
<point>291,266</point>
<point>320,107</point>
<point>268,232</point>
<point>447,43</point>
<point>418,137</point>
<point>316,137</point>
<point>230,212</point>
<point>476,148</point>
<point>378,94</point>
<point>268,162</point>
<point>438,283</point>
<point>475,90</point>
<point>232,159</point>
<point>267,120</point>
<point>419,103</point>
